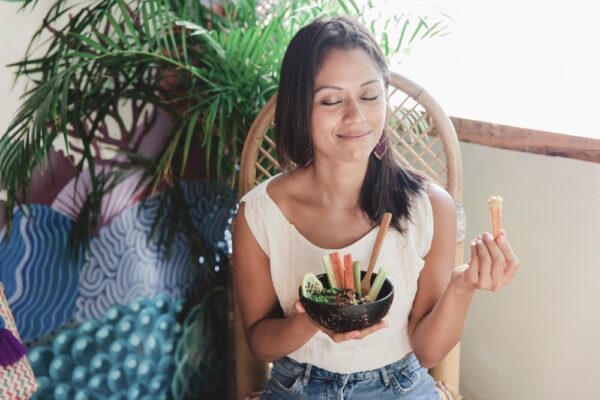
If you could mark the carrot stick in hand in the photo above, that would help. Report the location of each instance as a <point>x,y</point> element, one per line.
<point>495,206</point>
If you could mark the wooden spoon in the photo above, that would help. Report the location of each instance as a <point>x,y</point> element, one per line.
<point>365,284</point>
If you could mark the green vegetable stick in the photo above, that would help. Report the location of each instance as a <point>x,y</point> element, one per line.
<point>356,272</point>
<point>329,270</point>
<point>377,284</point>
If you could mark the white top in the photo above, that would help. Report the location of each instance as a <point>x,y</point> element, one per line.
<point>291,256</point>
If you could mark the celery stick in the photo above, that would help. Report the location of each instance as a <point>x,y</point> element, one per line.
<point>356,271</point>
<point>329,270</point>
<point>377,284</point>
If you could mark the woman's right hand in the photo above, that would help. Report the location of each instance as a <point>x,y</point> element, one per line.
<point>342,337</point>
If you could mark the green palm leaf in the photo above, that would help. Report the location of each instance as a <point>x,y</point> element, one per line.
<point>210,73</point>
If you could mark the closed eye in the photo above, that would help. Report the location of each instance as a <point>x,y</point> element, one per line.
<point>333,103</point>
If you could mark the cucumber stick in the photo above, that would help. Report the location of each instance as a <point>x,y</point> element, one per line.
<point>356,272</point>
<point>377,284</point>
<point>329,270</point>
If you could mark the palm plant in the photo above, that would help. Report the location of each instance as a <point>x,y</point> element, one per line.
<point>210,70</point>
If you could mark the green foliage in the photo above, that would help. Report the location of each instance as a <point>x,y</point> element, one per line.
<point>201,354</point>
<point>211,72</point>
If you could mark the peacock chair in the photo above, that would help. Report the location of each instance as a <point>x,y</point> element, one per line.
<point>423,138</point>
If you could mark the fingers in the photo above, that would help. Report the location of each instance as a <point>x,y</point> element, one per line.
<point>485,264</point>
<point>512,261</point>
<point>301,312</point>
<point>488,259</point>
<point>357,334</point>
<point>498,262</point>
<point>298,307</point>
<point>341,337</point>
<point>371,329</point>
<point>473,270</point>
<point>494,261</point>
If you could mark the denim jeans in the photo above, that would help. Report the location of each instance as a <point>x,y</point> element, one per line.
<point>404,379</point>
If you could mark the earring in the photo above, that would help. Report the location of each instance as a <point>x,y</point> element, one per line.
<point>381,147</point>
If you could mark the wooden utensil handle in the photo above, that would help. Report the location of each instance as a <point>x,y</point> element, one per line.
<point>385,224</point>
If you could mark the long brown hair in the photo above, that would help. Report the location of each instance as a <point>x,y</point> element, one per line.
<point>387,186</point>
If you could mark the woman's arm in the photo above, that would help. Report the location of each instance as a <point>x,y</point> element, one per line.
<point>269,335</point>
<point>437,319</point>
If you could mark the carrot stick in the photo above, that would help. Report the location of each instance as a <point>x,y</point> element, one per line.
<point>348,272</point>
<point>338,269</point>
<point>495,206</point>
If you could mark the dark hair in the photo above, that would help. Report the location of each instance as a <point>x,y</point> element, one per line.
<point>387,186</point>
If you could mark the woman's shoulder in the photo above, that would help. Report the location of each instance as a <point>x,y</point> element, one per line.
<point>259,191</point>
<point>439,198</point>
<point>286,188</point>
<point>276,189</point>
<point>432,207</point>
<point>431,202</point>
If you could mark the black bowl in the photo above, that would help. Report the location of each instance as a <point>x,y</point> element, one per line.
<point>344,317</point>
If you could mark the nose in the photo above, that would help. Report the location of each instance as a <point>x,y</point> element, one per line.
<point>353,113</point>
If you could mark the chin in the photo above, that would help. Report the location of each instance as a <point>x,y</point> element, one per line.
<point>357,156</point>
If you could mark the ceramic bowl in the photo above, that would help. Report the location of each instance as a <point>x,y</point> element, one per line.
<point>344,317</point>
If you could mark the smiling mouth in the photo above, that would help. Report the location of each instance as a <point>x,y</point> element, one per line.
<point>353,135</point>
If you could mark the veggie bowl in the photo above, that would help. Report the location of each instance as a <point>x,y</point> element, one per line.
<point>341,307</point>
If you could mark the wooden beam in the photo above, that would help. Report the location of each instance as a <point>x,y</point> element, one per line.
<point>527,140</point>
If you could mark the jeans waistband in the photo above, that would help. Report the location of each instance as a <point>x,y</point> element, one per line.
<point>408,363</point>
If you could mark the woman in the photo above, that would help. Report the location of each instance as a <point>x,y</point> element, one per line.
<point>329,123</point>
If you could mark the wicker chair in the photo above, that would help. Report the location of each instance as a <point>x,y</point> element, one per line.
<point>423,138</point>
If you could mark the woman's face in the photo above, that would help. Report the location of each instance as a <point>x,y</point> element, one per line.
<point>349,106</point>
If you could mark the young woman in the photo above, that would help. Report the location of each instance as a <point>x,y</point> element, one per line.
<point>338,182</point>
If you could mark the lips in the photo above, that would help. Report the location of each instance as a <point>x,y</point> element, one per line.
<point>353,134</point>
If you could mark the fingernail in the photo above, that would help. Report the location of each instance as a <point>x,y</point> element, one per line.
<point>478,237</point>
<point>473,242</point>
<point>487,236</point>
<point>502,240</point>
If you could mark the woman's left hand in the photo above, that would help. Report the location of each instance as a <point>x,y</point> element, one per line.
<point>493,264</point>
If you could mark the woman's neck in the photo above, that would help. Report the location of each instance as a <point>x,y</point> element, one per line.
<point>337,183</point>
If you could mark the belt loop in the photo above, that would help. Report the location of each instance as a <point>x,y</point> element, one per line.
<point>306,374</point>
<point>385,377</point>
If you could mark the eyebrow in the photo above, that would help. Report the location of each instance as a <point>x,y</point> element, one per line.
<point>339,88</point>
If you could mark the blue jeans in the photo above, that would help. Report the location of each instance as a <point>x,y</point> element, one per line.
<point>405,379</point>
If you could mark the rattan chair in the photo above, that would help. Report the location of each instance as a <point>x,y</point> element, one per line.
<point>423,138</point>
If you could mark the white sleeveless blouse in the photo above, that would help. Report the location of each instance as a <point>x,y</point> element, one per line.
<point>291,256</point>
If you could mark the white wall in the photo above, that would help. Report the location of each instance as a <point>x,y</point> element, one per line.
<point>532,64</point>
<point>540,337</point>
<point>16,30</point>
